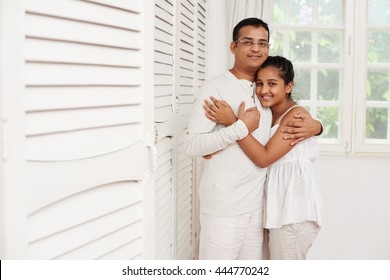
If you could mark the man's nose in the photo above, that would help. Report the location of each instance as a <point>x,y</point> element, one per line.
<point>255,46</point>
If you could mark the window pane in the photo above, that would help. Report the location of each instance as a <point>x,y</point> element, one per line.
<point>328,84</point>
<point>330,12</point>
<point>376,123</point>
<point>330,120</point>
<point>378,47</point>
<point>300,12</point>
<point>278,12</point>
<point>313,38</point>
<point>378,86</point>
<point>378,12</point>
<point>329,47</point>
<point>300,46</point>
<point>302,84</point>
<point>276,43</point>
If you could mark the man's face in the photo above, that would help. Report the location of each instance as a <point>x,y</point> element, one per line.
<point>250,57</point>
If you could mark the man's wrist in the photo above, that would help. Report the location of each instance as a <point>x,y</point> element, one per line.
<point>321,128</point>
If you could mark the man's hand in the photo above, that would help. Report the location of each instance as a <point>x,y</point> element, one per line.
<point>303,126</point>
<point>251,117</point>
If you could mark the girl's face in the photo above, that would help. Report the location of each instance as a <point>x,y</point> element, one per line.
<point>271,88</point>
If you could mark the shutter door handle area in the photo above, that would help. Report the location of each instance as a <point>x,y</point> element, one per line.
<point>152,157</point>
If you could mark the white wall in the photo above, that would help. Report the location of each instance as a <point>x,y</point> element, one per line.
<point>355,190</point>
<point>356,194</point>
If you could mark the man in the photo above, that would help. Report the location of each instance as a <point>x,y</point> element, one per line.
<point>231,186</point>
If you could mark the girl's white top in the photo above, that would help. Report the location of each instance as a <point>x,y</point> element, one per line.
<point>291,191</point>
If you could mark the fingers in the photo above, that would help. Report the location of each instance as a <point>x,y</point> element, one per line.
<point>209,107</point>
<point>301,115</point>
<point>215,105</point>
<point>292,130</point>
<point>295,137</point>
<point>251,109</point>
<point>210,114</point>
<point>297,124</point>
<point>209,156</point>
<point>223,103</point>
<point>293,143</point>
<point>242,107</point>
<point>216,102</point>
<point>287,137</point>
<point>298,116</point>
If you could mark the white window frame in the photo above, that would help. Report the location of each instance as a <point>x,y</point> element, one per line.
<point>352,97</point>
<point>360,74</point>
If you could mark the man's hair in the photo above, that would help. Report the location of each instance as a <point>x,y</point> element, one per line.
<point>256,22</point>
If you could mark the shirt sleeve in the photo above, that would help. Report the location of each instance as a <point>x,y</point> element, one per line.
<point>201,144</point>
<point>204,136</point>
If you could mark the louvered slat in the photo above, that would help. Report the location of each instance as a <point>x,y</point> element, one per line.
<point>164,199</point>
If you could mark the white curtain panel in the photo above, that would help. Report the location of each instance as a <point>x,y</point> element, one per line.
<point>240,9</point>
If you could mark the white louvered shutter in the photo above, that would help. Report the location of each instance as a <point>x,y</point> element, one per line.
<point>179,50</point>
<point>85,152</point>
<point>200,79</point>
<point>165,122</point>
<point>186,41</point>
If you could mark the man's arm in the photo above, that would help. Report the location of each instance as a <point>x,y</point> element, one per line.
<point>300,127</point>
<point>202,144</point>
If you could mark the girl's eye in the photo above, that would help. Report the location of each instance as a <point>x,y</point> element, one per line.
<point>258,84</point>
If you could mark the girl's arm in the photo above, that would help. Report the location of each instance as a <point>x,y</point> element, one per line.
<point>261,155</point>
<point>276,147</point>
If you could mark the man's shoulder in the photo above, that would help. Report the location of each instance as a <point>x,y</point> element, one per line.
<point>220,79</point>
<point>218,85</point>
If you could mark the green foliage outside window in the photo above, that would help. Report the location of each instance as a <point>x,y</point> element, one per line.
<point>329,51</point>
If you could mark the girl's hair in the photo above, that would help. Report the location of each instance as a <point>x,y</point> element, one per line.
<point>284,67</point>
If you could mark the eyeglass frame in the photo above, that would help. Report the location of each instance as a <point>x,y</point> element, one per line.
<point>249,43</point>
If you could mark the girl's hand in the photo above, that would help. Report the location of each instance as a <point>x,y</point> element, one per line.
<point>251,117</point>
<point>219,111</point>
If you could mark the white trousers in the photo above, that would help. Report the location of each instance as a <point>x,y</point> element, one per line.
<point>292,242</point>
<point>231,238</point>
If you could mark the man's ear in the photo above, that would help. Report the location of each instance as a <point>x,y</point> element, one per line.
<point>233,46</point>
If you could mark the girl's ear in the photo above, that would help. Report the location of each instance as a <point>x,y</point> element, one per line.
<point>289,87</point>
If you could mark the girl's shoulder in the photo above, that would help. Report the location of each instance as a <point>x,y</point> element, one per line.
<point>296,109</point>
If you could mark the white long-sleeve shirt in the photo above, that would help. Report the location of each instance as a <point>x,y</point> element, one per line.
<point>231,184</point>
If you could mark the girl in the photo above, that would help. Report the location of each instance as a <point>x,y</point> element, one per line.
<point>293,208</point>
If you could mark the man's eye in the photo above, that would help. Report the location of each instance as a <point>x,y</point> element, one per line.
<point>248,43</point>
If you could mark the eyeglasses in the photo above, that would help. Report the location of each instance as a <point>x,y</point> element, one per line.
<point>248,43</point>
